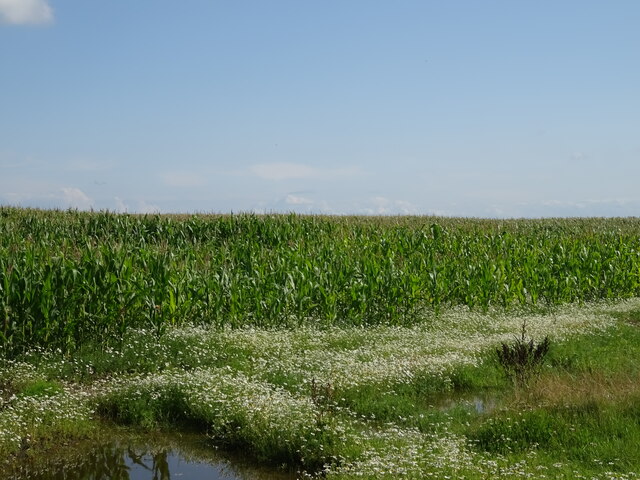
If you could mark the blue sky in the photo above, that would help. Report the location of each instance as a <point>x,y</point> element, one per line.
<point>462,108</point>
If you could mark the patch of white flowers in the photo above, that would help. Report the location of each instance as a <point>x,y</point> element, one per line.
<point>409,454</point>
<point>350,357</point>
<point>24,417</point>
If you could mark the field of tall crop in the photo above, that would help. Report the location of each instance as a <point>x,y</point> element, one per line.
<point>337,347</point>
<point>68,278</point>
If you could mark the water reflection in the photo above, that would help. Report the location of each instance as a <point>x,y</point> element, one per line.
<point>122,460</point>
<point>481,404</point>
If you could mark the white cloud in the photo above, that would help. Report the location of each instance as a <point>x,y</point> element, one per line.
<point>22,12</point>
<point>385,206</point>
<point>287,171</point>
<point>611,207</point>
<point>144,207</point>
<point>296,203</point>
<point>121,207</point>
<point>141,207</point>
<point>76,198</point>
<point>297,200</point>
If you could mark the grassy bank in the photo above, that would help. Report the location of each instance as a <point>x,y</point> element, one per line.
<point>379,401</point>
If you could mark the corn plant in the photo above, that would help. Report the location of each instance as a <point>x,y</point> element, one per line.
<point>68,278</point>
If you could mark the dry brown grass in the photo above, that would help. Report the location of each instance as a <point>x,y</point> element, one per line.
<point>556,389</point>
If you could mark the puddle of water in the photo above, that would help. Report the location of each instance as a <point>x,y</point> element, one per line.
<point>154,458</point>
<point>482,404</point>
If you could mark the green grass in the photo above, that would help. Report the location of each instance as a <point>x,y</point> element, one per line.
<point>584,410</point>
<point>358,401</point>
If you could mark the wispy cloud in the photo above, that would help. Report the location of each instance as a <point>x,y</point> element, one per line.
<point>588,203</point>
<point>140,206</point>
<point>75,198</point>
<point>14,161</point>
<point>145,207</point>
<point>611,207</point>
<point>297,203</point>
<point>65,197</point>
<point>314,203</point>
<point>297,200</point>
<point>25,12</point>
<point>121,207</point>
<point>385,206</point>
<point>88,165</point>
<point>288,171</point>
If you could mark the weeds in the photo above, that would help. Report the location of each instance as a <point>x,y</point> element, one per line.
<point>522,359</point>
<point>349,402</point>
<point>323,397</point>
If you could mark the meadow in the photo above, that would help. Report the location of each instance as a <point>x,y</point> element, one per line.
<point>340,347</point>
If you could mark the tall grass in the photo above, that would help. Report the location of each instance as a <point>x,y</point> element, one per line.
<point>67,278</point>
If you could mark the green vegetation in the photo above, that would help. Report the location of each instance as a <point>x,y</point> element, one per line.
<point>68,278</point>
<point>343,347</point>
<point>522,358</point>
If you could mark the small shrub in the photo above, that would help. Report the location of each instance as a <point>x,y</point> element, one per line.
<point>523,358</point>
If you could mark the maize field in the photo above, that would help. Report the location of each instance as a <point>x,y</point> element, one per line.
<point>70,278</point>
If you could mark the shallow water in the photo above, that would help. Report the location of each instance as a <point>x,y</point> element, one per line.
<point>185,456</point>
<point>481,403</point>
